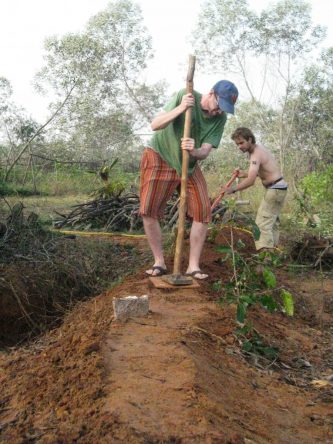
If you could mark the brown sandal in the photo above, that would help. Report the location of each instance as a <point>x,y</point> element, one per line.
<point>160,271</point>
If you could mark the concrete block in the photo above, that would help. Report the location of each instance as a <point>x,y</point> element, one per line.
<point>130,307</point>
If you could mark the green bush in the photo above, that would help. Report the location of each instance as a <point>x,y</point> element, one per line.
<point>312,210</point>
<point>9,189</point>
<point>64,180</point>
<point>319,185</point>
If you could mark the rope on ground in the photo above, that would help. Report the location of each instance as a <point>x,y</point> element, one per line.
<point>100,233</point>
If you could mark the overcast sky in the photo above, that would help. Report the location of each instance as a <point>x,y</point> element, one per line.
<point>24,24</point>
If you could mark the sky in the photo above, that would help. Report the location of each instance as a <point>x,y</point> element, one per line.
<point>24,25</point>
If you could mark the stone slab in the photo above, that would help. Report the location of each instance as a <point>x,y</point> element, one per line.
<point>130,307</point>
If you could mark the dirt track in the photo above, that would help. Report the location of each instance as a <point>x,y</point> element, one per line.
<point>177,376</point>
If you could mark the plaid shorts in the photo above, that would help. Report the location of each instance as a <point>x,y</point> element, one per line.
<point>158,182</point>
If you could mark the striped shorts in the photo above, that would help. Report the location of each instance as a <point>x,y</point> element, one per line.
<point>158,182</point>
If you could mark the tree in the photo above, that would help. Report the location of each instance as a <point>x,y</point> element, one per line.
<point>314,118</point>
<point>16,129</point>
<point>222,162</point>
<point>104,65</point>
<point>265,52</point>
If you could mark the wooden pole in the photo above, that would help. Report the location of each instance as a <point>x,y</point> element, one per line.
<point>185,160</point>
<point>219,197</point>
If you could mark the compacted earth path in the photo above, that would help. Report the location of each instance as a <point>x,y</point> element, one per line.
<point>177,375</point>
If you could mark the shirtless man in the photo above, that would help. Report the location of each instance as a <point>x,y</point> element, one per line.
<point>264,165</point>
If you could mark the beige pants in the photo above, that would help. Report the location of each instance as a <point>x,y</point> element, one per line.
<point>268,218</point>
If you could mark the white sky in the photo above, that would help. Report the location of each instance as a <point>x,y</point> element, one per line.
<point>24,24</point>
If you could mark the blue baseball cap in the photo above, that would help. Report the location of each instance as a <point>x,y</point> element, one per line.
<point>227,94</point>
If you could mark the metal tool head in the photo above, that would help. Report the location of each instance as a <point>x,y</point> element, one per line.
<point>177,279</point>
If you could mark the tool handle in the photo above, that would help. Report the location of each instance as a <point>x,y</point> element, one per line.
<point>219,197</point>
<point>183,184</point>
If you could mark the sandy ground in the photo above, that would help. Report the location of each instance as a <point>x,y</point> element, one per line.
<point>177,375</point>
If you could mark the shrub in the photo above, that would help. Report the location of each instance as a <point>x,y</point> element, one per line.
<point>319,185</point>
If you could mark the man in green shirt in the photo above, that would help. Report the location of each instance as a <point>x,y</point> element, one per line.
<point>161,166</point>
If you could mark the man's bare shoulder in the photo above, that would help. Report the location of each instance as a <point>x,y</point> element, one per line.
<point>261,148</point>
<point>260,152</point>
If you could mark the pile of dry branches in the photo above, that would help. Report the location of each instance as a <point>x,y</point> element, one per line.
<point>43,274</point>
<point>119,213</point>
<point>115,213</point>
<point>313,250</point>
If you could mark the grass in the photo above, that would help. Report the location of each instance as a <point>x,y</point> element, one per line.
<point>54,191</point>
<point>44,206</point>
<point>59,190</point>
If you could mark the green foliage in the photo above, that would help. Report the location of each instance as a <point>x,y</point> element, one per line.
<point>115,182</point>
<point>225,24</point>
<point>271,257</point>
<point>253,343</point>
<point>103,67</point>
<point>277,39</point>
<point>256,345</point>
<point>223,249</point>
<point>217,286</point>
<point>285,27</point>
<point>313,120</point>
<point>25,129</point>
<point>253,283</point>
<point>232,29</point>
<point>269,278</point>
<point>112,189</point>
<point>313,209</point>
<point>64,181</point>
<point>9,189</point>
<point>319,185</point>
<point>269,303</point>
<point>288,302</point>
<point>105,171</point>
<point>241,313</point>
<point>255,232</point>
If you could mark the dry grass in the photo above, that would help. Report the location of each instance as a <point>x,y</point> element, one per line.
<point>43,274</point>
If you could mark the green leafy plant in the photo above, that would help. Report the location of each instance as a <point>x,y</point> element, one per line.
<point>318,185</point>
<point>269,278</point>
<point>288,302</point>
<point>312,212</point>
<point>253,343</point>
<point>252,283</point>
<point>113,185</point>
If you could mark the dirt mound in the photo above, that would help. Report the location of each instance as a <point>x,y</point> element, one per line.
<point>178,375</point>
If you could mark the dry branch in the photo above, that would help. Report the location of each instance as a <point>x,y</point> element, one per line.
<point>119,213</point>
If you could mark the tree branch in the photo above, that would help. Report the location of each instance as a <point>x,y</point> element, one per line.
<point>39,131</point>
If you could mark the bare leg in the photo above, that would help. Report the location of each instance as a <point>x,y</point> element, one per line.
<point>197,240</point>
<point>154,235</point>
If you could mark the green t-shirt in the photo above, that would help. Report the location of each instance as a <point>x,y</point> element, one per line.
<point>204,129</point>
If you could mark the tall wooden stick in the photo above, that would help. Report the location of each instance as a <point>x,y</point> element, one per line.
<point>185,160</point>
